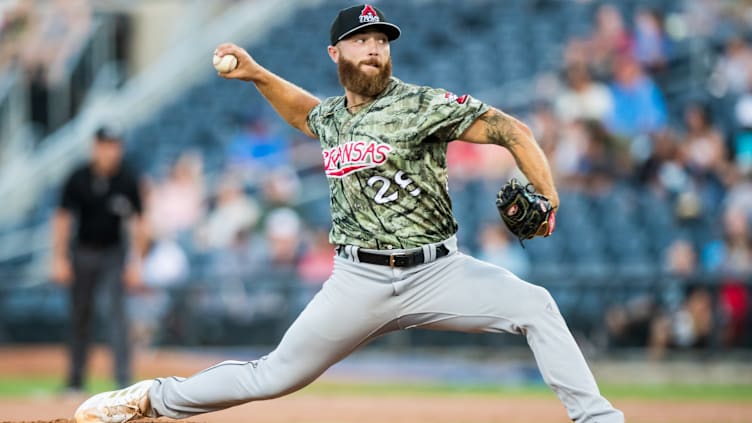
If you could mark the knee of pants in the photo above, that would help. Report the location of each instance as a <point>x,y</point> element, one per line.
<point>540,302</point>
<point>275,378</point>
<point>279,387</point>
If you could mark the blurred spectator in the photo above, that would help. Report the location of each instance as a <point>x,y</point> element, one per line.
<point>60,29</point>
<point>681,259</point>
<point>315,266</point>
<point>628,323</point>
<point>177,204</point>
<point>739,195</point>
<point>272,257</point>
<point>661,171</point>
<point>735,66</point>
<point>236,262</point>
<point>639,107</point>
<point>652,45</point>
<point>610,39</point>
<point>475,162</point>
<point>666,175</point>
<point>283,232</point>
<point>703,150</point>
<point>15,28</point>
<point>589,157</point>
<point>267,278</point>
<point>703,154</point>
<point>304,154</point>
<point>233,214</point>
<point>102,197</point>
<point>281,187</point>
<point>690,326</point>
<point>734,305</point>
<point>462,162</point>
<point>605,158</point>
<point>742,136</point>
<point>703,16</point>
<point>569,153</point>
<point>317,261</point>
<point>731,255</point>
<point>497,247</point>
<point>583,98</point>
<point>546,127</point>
<point>633,322</point>
<point>245,284</point>
<point>576,53</point>
<point>256,149</point>
<point>165,266</point>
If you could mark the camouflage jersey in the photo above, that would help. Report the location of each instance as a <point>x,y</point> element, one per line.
<point>386,164</point>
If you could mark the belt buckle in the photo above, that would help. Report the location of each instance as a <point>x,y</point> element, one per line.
<point>391,260</point>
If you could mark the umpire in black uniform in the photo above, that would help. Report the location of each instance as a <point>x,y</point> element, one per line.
<point>103,198</point>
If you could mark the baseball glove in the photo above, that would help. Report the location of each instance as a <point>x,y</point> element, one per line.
<point>524,212</point>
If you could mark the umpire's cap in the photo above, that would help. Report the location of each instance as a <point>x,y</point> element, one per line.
<point>109,133</point>
<point>358,17</point>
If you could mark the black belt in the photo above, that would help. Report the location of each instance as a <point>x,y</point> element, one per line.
<point>397,260</point>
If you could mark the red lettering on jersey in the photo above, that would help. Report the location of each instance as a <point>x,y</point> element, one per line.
<point>346,150</point>
<point>350,157</point>
<point>369,151</point>
<point>382,152</point>
<point>334,156</point>
<point>327,158</point>
<point>450,97</point>
<point>357,148</point>
<point>346,171</point>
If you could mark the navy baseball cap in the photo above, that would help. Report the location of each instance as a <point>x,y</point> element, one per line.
<point>355,18</point>
<point>108,133</point>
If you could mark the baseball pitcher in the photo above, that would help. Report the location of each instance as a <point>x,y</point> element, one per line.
<point>396,261</point>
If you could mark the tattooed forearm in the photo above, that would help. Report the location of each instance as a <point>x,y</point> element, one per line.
<point>497,127</point>
<point>501,129</point>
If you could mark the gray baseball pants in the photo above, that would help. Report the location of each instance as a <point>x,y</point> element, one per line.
<point>98,285</point>
<point>362,301</point>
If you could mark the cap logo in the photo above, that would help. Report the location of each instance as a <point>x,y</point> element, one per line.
<point>368,15</point>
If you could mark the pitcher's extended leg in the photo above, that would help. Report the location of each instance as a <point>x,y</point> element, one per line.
<point>348,311</point>
<point>464,294</point>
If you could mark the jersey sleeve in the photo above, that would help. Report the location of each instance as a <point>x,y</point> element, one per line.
<point>444,116</point>
<point>314,119</point>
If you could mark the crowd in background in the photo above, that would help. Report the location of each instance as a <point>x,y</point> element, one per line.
<point>606,123</point>
<point>62,49</point>
<point>39,38</point>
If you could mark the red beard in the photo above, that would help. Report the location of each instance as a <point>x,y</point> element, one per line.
<point>356,81</point>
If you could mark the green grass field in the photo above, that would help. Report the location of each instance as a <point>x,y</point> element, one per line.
<point>18,386</point>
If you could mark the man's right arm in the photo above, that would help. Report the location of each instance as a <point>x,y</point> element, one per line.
<point>499,128</point>
<point>291,102</point>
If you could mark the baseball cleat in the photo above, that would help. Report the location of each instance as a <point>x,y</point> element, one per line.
<point>115,406</point>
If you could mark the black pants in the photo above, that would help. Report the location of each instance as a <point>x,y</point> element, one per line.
<point>98,285</point>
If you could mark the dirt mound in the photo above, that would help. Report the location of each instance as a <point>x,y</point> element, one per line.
<point>71,421</point>
<point>41,421</point>
<point>341,408</point>
<point>306,407</point>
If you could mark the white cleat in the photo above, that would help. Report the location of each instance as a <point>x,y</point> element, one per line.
<point>115,406</point>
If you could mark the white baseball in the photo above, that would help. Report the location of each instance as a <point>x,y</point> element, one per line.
<point>226,63</point>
